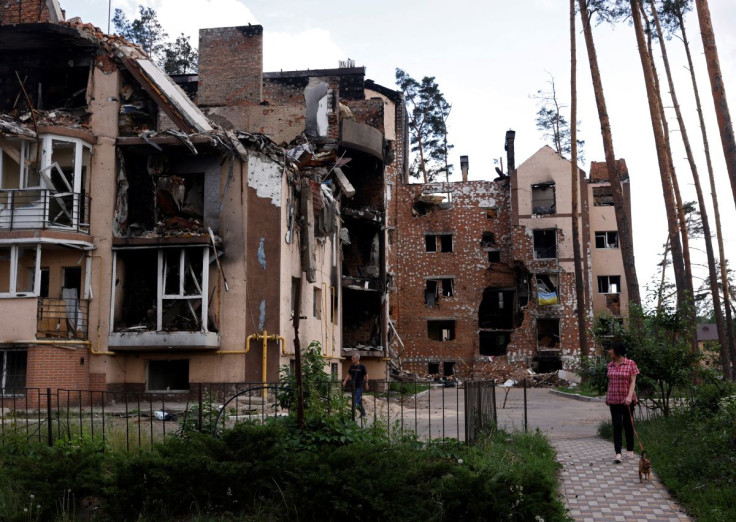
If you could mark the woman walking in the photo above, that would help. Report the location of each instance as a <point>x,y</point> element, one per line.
<point>621,397</point>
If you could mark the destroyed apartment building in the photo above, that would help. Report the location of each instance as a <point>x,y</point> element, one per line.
<point>485,274</point>
<point>151,242</point>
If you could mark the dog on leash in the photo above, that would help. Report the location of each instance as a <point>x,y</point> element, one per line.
<point>645,467</point>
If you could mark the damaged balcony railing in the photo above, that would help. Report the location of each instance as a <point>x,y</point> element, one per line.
<point>44,209</point>
<point>62,318</point>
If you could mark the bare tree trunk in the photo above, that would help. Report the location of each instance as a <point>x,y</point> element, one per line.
<point>719,231</point>
<point>723,115</point>
<point>713,277</point>
<point>660,292</point>
<point>662,157</point>
<point>577,256</point>
<point>623,219</point>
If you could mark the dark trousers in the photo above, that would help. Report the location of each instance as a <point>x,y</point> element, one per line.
<point>358,400</point>
<point>621,417</point>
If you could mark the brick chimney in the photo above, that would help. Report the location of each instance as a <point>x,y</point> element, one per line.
<point>30,11</point>
<point>230,66</point>
<point>509,147</point>
<point>464,164</point>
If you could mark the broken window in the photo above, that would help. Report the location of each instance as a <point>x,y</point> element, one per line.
<point>548,333</point>
<point>543,198</point>
<point>494,256</point>
<point>545,244</point>
<point>54,195</point>
<point>171,375</point>
<point>602,196</point>
<point>488,239</point>
<point>438,242</point>
<point>609,284</point>
<point>163,289</point>
<point>441,330</point>
<point>317,304</point>
<point>18,267</point>
<point>491,213</point>
<point>448,368</point>
<point>493,343</point>
<point>547,289</point>
<point>606,239</point>
<point>496,309</point>
<point>14,363</point>
<point>436,288</point>
<point>433,368</point>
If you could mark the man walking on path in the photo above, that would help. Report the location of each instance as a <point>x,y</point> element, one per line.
<point>358,376</point>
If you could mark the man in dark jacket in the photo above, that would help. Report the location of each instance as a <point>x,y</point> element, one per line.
<point>358,376</point>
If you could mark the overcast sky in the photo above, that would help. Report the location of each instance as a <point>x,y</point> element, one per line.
<point>489,58</point>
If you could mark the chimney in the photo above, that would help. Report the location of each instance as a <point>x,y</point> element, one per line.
<point>464,167</point>
<point>509,148</point>
<point>230,66</point>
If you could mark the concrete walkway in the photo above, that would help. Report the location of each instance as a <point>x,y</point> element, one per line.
<point>593,486</point>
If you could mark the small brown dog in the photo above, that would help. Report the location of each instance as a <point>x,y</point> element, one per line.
<point>645,467</point>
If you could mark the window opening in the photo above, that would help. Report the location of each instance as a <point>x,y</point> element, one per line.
<point>493,343</point>
<point>548,333</point>
<point>317,303</point>
<point>491,213</point>
<point>606,239</point>
<point>602,196</point>
<point>438,242</point>
<point>543,198</point>
<point>441,330</point>
<point>295,281</point>
<point>494,256</point>
<point>488,240</point>
<point>609,284</point>
<point>448,368</point>
<point>13,372</point>
<point>545,244</point>
<point>496,309</point>
<point>437,288</point>
<point>433,368</point>
<point>446,243</point>
<point>547,289</point>
<point>18,267</point>
<point>170,375</point>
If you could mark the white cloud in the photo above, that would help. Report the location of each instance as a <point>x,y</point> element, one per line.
<point>311,49</point>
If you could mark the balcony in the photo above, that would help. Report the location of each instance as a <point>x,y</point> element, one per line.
<point>23,209</point>
<point>66,318</point>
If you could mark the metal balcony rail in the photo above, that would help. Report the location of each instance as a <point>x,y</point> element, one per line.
<point>44,209</point>
<point>66,318</point>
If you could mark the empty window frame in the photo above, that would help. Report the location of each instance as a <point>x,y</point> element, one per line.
<point>13,366</point>
<point>317,303</point>
<point>609,284</point>
<point>548,333</point>
<point>547,289</point>
<point>433,368</point>
<point>448,368</point>
<point>438,242</point>
<point>496,309</point>
<point>163,289</point>
<point>494,256</point>
<point>169,375</point>
<point>441,330</point>
<point>493,343</point>
<point>543,198</point>
<point>18,268</point>
<point>545,244</point>
<point>437,288</point>
<point>65,171</point>
<point>606,239</point>
<point>491,213</point>
<point>488,239</point>
<point>602,196</point>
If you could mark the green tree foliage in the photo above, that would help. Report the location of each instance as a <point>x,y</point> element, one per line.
<point>428,111</point>
<point>177,57</point>
<point>553,124</point>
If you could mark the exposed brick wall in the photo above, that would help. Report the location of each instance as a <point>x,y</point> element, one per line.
<point>53,367</point>
<point>230,66</point>
<point>23,12</point>
<point>467,264</point>
<point>369,112</point>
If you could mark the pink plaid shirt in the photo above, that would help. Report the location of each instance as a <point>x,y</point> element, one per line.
<point>619,380</point>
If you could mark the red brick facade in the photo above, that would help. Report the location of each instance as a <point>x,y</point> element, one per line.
<point>24,12</point>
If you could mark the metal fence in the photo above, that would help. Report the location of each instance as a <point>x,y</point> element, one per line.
<point>138,420</point>
<point>42,208</point>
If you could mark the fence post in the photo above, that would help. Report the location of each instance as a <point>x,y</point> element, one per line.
<point>48,417</point>
<point>526,418</point>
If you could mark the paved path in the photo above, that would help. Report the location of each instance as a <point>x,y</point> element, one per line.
<point>594,488</point>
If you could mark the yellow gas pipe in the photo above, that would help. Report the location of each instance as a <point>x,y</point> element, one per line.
<point>264,356</point>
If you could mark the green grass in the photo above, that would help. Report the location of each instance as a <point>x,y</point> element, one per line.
<point>586,391</point>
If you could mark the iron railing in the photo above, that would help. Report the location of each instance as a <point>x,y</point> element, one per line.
<point>62,317</point>
<point>44,209</point>
<point>129,420</point>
